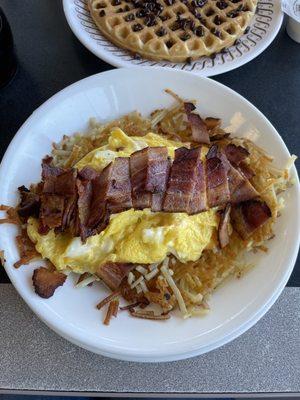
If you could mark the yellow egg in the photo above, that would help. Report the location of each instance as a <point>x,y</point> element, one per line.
<point>121,145</point>
<point>133,236</point>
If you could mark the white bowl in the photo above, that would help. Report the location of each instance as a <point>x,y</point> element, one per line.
<point>71,312</point>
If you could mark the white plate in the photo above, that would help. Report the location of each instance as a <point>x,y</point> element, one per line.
<point>264,27</point>
<point>71,312</point>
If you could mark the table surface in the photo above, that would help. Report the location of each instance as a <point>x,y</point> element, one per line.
<point>51,58</point>
<point>255,362</point>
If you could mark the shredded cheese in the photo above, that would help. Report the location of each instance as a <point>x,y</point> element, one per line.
<point>151,274</point>
<point>137,282</point>
<point>138,289</point>
<point>195,298</point>
<point>141,269</point>
<point>130,278</point>
<point>175,290</point>
<point>166,262</point>
<point>85,282</point>
<point>144,286</point>
<point>290,162</point>
<point>153,266</point>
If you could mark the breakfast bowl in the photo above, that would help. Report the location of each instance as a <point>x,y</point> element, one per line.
<point>236,305</point>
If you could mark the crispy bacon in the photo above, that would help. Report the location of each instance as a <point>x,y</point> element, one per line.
<point>249,216</point>
<point>149,171</point>
<point>223,230</point>
<point>198,200</point>
<point>84,189</point>
<point>26,249</point>
<point>30,203</point>
<point>245,170</point>
<point>155,181</point>
<point>219,136</point>
<point>240,188</point>
<point>88,173</point>
<point>58,198</point>
<point>49,170</point>
<point>112,274</point>
<point>45,282</point>
<point>141,198</point>
<point>111,193</point>
<point>236,154</point>
<point>52,209</point>
<point>217,188</point>
<point>182,180</point>
<point>157,176</point>
<point>119,193</point>
<point>212,123</point>
<point>63,184</point>
<point>200,132</point>
<point>84,184</point>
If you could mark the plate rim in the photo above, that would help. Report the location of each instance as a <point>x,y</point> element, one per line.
<point>118,63</point>
<point>125,355</point>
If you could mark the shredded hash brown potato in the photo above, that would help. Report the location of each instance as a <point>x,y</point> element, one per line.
<point>185,286</point>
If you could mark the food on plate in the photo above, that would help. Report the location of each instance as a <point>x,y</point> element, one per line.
<point>173,30</point>
<point>160,209</point>
<point>46,281</point>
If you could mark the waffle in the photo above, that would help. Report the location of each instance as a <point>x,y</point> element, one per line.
<point>172,30</point>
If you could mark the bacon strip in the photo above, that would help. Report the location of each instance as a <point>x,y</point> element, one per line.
<point>157,175</point>
<point>63,184</point>
<point>245,170</point>
<point>111,193</point>
<point>249,216</point>
<point>149,171</point>
<point>88,173</point>
<point>30,203</point>
<point>236,154</point>
<point>85,193</point>
<point>45,282</point>
<point>240,188</point>
<point>58,198</point>
<point>48,170</point>
<point>186,171</point>
<point>52,208</point>
<point>217,188</point>
<point>112,274</point>
<point>198,200</point>
<point>200,132</point>
<point>212,123</point>
<point>223,230</point>
<point>138,175</point>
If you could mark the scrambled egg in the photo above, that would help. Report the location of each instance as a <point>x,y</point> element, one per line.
<point>121,145</point>
<point>135,236</point>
